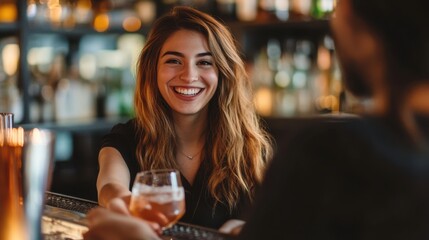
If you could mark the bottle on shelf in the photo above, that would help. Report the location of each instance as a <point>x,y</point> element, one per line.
<point>327,79</point>
<point>296,78</point>
<point>322,9</point>
<point>267,9</point>
<point>74,97</point>
<point>300,9</point>
<point>282,70</point>
<point>282,8</point>
<point>10,98</point>
<point>226,9</point>
<point>146,10</point>
<point>82,12</point>
<point>246,10</point>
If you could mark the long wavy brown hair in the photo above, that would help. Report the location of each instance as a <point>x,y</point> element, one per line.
<point>236,144</point>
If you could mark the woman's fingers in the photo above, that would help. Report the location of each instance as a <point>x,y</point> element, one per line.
<point>232,226</point>
<point>108,225</point>
<point>119,205</point>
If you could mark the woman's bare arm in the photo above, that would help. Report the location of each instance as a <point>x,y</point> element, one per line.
<point>113,177</point>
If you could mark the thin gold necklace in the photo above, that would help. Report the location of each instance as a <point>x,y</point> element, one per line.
<point>190,157</point>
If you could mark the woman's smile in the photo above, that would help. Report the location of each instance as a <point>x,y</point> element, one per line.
<point>187,91</point>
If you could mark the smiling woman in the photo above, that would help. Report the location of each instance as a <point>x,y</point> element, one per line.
<point>194,113</point>
<point>187,75</point>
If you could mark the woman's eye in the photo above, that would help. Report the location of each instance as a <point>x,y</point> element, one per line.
<point>172,61</point>
<point>205,63</point>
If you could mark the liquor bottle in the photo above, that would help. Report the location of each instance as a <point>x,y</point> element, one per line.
<point>282,9</point>
<point>226,9</point>
<point>247,10</point>
<point>322,8</point>
<point>300,9</point>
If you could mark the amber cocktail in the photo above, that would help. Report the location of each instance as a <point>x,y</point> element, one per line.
<point>158,196</point>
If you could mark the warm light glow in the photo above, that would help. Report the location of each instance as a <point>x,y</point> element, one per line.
<point>322,84</point>
<point>101,22</point>
<point>14,225</point>
<point>264,101</point>
<point>246,10</point>
<point>10,56</point>
<point>323,58</point>
<point>328,102</point>
<point>83,11</point>
<point>53,4</point>
<point>84,4</point>
<point>36,136</point>
<point>55,11</point>
<point>301,7</point>
<point>146,11</point>
<point>12,137</point>
<point>8,12</point>
<point>131,24</point>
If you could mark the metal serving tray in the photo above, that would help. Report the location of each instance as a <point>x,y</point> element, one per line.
<point>64,219</point>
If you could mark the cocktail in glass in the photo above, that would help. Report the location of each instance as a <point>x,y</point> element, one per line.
<point>158,196</point>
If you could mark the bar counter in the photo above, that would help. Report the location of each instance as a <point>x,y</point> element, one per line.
<point>64,218</point>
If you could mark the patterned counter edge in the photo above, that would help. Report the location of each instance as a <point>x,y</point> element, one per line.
<point>61,209</point>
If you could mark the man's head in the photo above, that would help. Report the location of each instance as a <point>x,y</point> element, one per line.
<point>382,44</point>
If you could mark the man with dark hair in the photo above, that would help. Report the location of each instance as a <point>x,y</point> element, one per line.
<point>367,178</point>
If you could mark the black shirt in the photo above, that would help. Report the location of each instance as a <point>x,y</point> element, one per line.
<point>200,204</point>
<point>358,179</point>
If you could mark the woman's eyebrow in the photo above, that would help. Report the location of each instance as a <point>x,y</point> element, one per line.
<point>173,53</point>
<point>204,54</point>
<point>179,54</point>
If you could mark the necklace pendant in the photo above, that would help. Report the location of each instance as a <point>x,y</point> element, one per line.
<point>189,157</point>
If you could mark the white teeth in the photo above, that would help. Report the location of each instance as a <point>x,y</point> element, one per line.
<point>187,91</point>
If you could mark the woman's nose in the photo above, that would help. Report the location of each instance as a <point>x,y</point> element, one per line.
<point>189,74</point>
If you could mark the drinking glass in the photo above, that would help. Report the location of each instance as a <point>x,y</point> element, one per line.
<point>12,222</point>
<point>158,196</point>
<point>37,169</point>
<point>6,121</point>
<point>26,161</point>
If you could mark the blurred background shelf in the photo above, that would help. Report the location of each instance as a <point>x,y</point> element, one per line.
<point>69,66</point>
<point>277,25</point>
<point>78,126</point>
<point>82,31</point>
<point>8,28</point>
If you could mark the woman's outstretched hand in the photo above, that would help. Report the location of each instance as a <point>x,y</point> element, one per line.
<point>120,205</point>
<point>105,224</point>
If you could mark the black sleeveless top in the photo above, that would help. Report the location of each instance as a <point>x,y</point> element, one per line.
<point>200,205</point>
